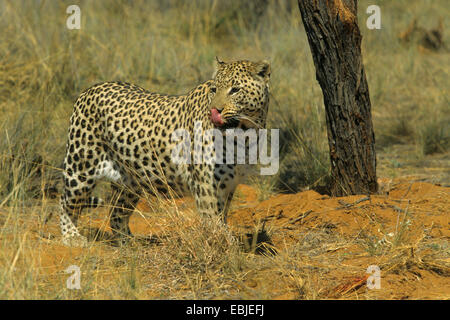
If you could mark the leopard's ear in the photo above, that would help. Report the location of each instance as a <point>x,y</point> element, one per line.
<point>262,70</point>
<point>217,66</point>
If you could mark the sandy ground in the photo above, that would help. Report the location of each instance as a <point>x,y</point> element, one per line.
<point>397,231</point>
<point>405,231</point>
<point>323,246</point>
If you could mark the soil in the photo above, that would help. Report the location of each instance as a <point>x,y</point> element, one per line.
<point>326,243</point>
<point>404,230</point>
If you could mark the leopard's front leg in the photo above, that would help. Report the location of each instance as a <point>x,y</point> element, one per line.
<point>213,187</point>
<point>225,182</point>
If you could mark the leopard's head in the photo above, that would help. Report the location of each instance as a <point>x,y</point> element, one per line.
<point>239,94</point>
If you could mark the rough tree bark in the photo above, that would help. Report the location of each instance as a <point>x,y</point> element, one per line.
<point>335,42</point>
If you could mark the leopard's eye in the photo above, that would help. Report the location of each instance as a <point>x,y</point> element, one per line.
<point>233,90</point>
<point>213,89</point>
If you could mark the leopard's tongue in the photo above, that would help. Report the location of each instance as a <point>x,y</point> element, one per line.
<point>216,118</point>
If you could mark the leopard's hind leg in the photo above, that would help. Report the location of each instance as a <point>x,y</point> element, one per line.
<point>76,197</point>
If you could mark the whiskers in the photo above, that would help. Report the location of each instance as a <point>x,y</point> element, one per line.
<point>235,120</point>
<point>256,125</point>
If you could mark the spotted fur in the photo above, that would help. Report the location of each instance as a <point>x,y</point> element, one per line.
<point>122,132</point>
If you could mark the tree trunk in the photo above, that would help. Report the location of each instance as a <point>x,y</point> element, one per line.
<point>335,42</point>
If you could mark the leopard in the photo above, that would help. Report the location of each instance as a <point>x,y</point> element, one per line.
<point>124,133</point>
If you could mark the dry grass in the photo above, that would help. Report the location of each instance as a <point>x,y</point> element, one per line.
<point>320,254</point>
<point>169,46</point>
